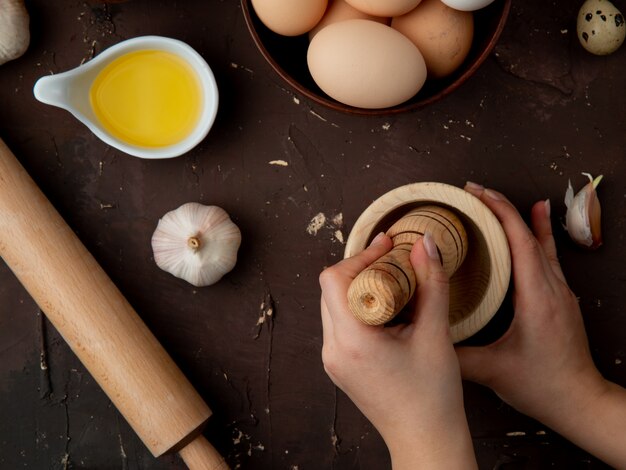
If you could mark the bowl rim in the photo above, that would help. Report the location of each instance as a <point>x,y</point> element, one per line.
<point>401,108</point>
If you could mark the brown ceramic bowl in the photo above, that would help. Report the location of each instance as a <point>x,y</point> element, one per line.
<point>287,56</point>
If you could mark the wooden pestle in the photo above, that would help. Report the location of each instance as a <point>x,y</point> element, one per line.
<point>98,323</point>
<point>380,291</point>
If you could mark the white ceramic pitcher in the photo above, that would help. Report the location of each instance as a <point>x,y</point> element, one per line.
<point>70,90</point>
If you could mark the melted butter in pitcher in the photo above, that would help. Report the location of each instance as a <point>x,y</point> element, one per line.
<point>148,98</point>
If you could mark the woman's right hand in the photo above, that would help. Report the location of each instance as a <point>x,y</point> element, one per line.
<point>542,366</point>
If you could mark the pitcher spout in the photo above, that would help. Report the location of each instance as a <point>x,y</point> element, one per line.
<point>53,90</point>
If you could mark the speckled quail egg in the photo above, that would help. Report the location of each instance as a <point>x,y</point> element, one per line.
<point>600,27</point>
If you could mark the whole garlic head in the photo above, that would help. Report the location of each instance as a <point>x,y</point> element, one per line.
<point>14,33</point>
<point>196,243</point>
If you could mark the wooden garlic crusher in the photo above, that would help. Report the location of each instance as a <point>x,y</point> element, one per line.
<point>380,292</point>
<point>472,246</point>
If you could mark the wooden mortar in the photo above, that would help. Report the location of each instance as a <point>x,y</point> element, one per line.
<point>478,284</point>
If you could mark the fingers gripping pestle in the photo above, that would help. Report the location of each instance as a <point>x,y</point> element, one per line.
<point>380,292</point>
<point>98,323</point>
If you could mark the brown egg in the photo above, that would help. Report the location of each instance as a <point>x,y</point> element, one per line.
<point>365,64</point>
<point>290,17</point>
<point>340,10</point>
<point>443,35</point>
<point>384,7</point>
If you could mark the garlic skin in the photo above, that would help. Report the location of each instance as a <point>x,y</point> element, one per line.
<point>14,32</point>
<point>196,243</point>
<point>582,220</point>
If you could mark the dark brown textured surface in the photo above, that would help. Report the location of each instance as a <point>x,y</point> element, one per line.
<point>539,111</point>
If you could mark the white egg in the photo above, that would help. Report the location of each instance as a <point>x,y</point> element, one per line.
<point>600,27</point>
<point>467,5</point>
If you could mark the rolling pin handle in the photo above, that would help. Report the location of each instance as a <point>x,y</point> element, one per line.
<point>199,454</point>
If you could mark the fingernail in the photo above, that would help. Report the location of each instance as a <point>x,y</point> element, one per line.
<point>474,186</point>
<point>492,195</point>
<point>377,239</point>
<point>430,246</point>
<point>547,203</point>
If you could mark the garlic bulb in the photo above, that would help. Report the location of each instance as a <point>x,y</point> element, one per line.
<point>196,243</point>
<point>582,220</point>
<point>14,33</point>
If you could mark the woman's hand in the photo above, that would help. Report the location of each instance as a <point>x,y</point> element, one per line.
<point>542,366</point>
<point>405,378</point>
<point>545,351</point>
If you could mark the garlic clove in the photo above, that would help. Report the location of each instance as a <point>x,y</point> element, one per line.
<point>196,243</point>
<point>14,32</point>
<point>582,220</point>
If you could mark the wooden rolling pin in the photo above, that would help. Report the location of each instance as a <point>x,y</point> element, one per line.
<point>98,323</point>
<point>382,290</point>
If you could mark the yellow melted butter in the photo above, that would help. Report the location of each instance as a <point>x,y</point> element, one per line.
<point>148,98</point>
